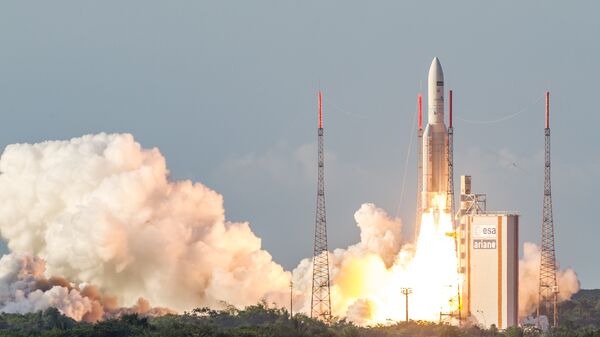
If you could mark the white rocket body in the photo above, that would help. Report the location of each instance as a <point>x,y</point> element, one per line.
<point>435,141</point>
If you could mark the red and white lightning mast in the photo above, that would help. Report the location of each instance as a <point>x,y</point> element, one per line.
<point>320,307</point>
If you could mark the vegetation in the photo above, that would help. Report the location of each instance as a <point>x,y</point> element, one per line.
<point>580,318</point>
<point>583,310</point>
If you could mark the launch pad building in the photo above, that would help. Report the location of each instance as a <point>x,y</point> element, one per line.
<point>488,252</point>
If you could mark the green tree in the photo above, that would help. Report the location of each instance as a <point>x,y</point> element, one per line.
<point>514,331</point>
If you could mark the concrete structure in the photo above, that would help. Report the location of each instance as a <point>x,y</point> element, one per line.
<point>488,248</point>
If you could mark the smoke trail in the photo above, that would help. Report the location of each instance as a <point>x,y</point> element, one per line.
<point>99,209</point>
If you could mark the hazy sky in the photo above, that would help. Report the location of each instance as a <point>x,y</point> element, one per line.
<point>227,91</point>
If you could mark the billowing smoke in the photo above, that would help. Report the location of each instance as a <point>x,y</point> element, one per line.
<point>366,277</point>
<point>358,269</point>
<point>96,229</point>
<point>24,288</point>
<point>529,273</point>
<point>100,210</point>
<point>360,272</point>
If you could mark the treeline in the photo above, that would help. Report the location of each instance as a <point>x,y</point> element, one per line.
<point>257,320</point>
<point>582,310</point>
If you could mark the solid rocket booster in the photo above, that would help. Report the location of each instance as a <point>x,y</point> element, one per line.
<point>435,141</point>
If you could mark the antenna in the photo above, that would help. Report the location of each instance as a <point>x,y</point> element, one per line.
<point>320,307</point>
<point>548,288</point>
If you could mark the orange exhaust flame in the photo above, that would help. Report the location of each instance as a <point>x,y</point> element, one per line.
<point>371,291</point>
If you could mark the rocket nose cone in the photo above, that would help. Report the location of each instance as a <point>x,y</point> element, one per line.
<point>435,71</point>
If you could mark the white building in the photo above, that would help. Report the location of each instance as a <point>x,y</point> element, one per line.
<point>488,248</point>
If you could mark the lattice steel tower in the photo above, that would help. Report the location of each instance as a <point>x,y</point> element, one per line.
<point>450,197</point>
<point>320,306</point>
<point>548,288</point>
<point>450,200</point>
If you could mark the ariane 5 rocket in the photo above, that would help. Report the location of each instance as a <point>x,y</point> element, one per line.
<point>435,144</point>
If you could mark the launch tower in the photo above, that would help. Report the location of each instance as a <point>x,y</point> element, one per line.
<point>320,306</point>
<point>450,197</point>
<point>419,168</point>
<point>548,288</point>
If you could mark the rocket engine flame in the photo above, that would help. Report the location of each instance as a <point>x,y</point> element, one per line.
<point>367,290</point>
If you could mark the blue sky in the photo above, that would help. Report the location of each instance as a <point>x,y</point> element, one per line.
<point>227,91</point>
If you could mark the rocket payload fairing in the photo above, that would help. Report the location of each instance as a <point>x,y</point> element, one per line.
<point>435,142</point>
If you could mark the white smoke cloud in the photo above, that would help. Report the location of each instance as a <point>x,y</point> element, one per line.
<point>357,272</point>
<point>100,212</point>
<point>24,288</point>
<point>100,209</point>
<point>529,273</point>
<point>69,302</point>
<point>354,270</point>
<point>379,234</point>
<point>20,293</point>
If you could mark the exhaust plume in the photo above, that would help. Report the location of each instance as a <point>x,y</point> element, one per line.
<point>96,229</point>
<point>100,209</point>
<point>24,288</point>
<point>529,279</point>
